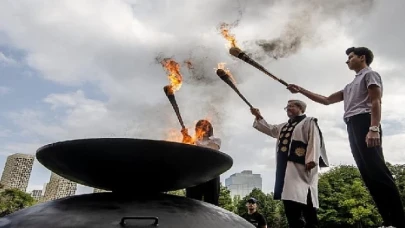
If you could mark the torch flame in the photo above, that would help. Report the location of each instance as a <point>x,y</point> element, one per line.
<point>230,37</point>
<point>174,135</point>
<point>222,67</point>
<point>183,137</point>
<point>173,73</point>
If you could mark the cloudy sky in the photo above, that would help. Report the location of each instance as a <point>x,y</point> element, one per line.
<point>76,69</point>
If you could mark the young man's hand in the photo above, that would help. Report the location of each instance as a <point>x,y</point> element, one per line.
<point>294,88</point>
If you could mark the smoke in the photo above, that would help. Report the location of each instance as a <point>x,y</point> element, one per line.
<point>306,25</point>
<point>204,95</point>
<point>200,96</point>
<point>297,31</point>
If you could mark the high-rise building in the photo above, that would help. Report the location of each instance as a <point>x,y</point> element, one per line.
<point>243,183</point>
<point>44,188</point>
<point>36,194</point>
<point>97,190</point>
<point>59,187</point>
<point>17,171</point>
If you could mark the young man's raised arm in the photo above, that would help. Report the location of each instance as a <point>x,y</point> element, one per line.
<point>333,98</point>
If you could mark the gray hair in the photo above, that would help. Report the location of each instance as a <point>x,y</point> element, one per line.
<point>300,104</point>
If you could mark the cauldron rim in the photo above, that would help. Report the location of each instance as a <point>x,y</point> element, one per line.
<point>60,158</point>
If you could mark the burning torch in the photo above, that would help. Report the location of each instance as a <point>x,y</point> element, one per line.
<point>227,79</point>
<point>170,95</point>
<point>238,53</point>
<point>243,56</point>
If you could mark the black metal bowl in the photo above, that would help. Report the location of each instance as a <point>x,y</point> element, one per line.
<point>126,164</point>
<point>109,210</point>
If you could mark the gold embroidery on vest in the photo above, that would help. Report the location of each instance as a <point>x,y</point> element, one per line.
<point>300,151</point>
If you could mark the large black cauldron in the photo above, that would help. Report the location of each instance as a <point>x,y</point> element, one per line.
<point>137,171</point>
<point>105,210</point>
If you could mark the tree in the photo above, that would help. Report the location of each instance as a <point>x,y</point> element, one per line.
<point>180,192</point>
<point>12,200</point>
<point>225,199</point>
<point>344,199</point>
<point>398,172</point>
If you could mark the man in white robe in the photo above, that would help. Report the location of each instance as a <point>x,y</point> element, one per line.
<point>300,153</point>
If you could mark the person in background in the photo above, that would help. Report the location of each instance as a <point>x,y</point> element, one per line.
<point>253,216</point>
<point>204,137</point>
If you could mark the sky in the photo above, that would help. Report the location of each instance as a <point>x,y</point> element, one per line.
<point>73,69</point>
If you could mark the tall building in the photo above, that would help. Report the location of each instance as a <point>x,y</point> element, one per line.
<point>243,183</point>
<point>36,194</point>
<point>59,187</point>
<point>97,190</point>
<point>17,171</point>
<point>44,188</point>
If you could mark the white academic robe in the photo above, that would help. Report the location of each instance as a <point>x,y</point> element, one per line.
<point>297,181</point>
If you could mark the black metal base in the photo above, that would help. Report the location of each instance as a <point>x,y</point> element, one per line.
<point>109,210</point>
<point>129,165</point>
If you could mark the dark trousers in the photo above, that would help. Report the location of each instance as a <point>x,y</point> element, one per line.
<point>294,212</point>
<point>208,191</point>
<point>375,173</point>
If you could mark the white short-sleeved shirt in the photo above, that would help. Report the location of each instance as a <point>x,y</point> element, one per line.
<point>355,94</point>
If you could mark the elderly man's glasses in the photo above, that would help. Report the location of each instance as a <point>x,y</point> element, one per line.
<point>289,106</point>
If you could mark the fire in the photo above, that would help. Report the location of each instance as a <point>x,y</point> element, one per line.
<point>222,66</point>
<point>174,135</point>
<point>230,37</point>
<point>187,139</point>
<point>202,129</point>
<point>173,73</point>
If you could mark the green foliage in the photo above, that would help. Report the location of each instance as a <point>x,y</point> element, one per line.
<point>398,171</point>
<point>225,199</point>
<point>344,200</point>
<point>180,192</point>
<point>12,200</point>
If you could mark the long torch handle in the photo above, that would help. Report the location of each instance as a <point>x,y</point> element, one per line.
<point>241,96</point>
<point>170,95</point>
<point>176,110</point>
<point>243,56</point>
<point>226,78</point>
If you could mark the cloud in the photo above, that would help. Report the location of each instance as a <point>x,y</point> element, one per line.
<point>4,90</point>
<point>112,45</point>
<point>12,148</point>
<point>7,61</point>
<point>4,132</point>
<point>379,31</point>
